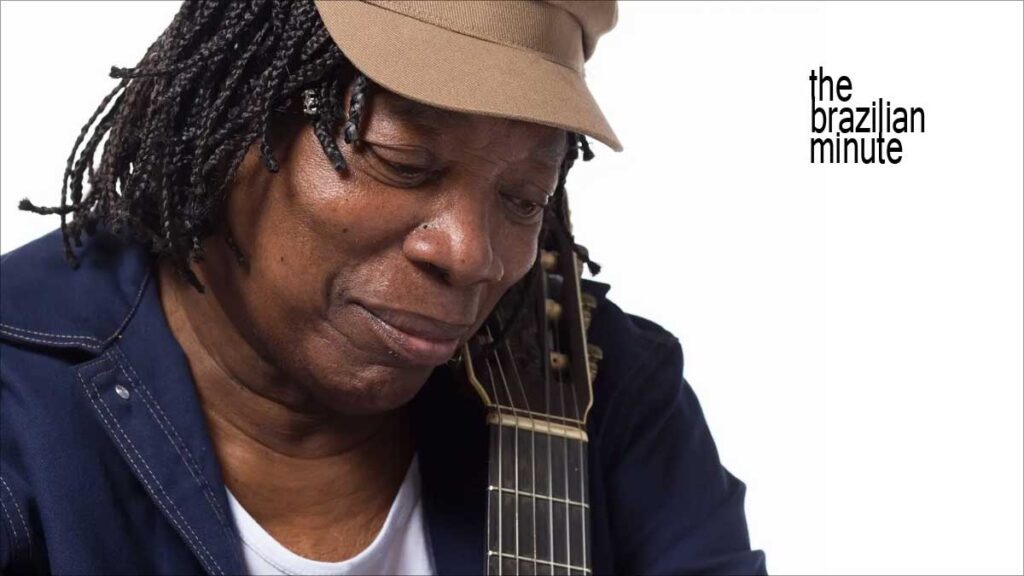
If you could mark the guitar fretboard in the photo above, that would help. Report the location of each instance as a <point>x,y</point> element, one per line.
<point>538,497</point>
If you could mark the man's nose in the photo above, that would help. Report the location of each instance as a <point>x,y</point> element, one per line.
<point>457,242</point>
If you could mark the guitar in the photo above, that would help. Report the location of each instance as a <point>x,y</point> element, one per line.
<point>534,374</point>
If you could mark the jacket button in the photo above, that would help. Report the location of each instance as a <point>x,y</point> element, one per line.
<point>122,392</point>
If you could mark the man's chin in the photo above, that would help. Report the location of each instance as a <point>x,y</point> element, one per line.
<point>375,390</point>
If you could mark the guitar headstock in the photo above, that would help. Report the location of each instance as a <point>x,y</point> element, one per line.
<point>537,364</point>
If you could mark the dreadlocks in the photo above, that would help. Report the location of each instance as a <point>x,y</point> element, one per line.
<point>183,119</point>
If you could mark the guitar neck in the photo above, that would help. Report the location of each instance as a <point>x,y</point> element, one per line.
<point>538,496</point>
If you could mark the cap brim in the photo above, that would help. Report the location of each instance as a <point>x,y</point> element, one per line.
<point>453,71</point>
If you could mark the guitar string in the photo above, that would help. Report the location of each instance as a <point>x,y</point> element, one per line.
<point>545,363</point>
<point>565,459</point>
<point>497,404</point>
<point>579,445</point>
<point>515,453</point>
<point>533,442</point>
<point>582,464</point>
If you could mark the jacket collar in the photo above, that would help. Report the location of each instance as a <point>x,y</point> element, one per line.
<point>84,309</point>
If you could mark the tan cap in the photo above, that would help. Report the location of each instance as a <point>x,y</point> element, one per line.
<point>519,59</point>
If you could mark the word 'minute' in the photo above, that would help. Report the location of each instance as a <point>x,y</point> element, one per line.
<point>879,119</point>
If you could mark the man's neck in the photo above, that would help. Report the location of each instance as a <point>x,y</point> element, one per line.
<point>320,482</point>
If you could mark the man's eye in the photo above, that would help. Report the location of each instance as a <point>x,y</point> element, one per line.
<point>401,174</point>
<point>405,169</point>
<point>523,208</point>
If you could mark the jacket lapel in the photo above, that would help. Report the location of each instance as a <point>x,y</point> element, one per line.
<point>141,392</point>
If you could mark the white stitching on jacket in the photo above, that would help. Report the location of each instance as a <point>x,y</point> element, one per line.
<point>190,462</point>
<point>14,531</point>
<point>17,509</point>
<point>51,342</point>
<point>90,342</point>
<point>37,333</point>
<point>139,472</point>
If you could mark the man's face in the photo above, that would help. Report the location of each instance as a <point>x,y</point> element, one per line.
<point>359,284</point>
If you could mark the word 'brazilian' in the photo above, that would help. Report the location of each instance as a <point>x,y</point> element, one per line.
<point>880,119</point>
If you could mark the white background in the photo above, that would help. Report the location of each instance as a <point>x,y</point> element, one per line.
<point>854,332</point>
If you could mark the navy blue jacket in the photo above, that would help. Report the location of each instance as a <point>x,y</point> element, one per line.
<point>106,463</point>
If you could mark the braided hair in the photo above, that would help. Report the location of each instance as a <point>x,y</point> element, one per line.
<point>179,123</point>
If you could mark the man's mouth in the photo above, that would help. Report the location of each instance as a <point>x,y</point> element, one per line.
<point>417,338</point>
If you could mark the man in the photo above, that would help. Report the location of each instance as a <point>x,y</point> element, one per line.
<point>300,214</point>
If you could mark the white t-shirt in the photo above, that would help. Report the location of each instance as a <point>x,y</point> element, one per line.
<point>401,546</point>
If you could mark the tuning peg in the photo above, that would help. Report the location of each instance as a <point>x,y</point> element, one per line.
<point>553,310</point>
<point>559,361</point>
<point>589,303</point>
<point>548,260</point>
<point>594,356</point>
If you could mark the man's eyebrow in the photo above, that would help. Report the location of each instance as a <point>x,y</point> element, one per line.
<point>427,118</point>
<point>552,153</point>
